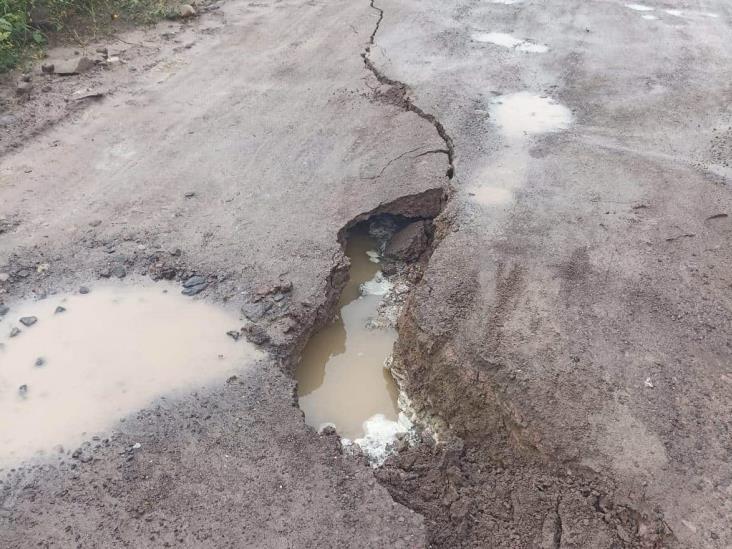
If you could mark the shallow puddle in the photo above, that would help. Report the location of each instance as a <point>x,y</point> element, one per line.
<point>523,114</point>
<point>341,377</point>
<point>89,360</point>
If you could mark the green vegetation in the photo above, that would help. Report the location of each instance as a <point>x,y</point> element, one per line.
<point>26,25</point>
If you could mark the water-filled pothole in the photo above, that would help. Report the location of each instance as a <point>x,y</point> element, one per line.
<point>342,377</point>
<point>89,360</point>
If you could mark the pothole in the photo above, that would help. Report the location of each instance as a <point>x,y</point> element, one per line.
<point>72,365</point>
<point>344,380</point>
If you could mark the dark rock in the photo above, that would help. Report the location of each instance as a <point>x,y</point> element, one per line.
<point>40,361</point>
<point>255,311</point>
<point>23,390</point>
<point>4,310</point>
<point>119,271</point>
<point>408,243</point>
<point>47,68</point>
<point>256,334</point>
<point>83,290</point>
<point>195,280</point>
<point>14,331</point>
<point>28,321</point>
<point>193,290</point>
<point>234,334</point>
<point>59,310</point>
<point>189,195</point>
<point>328,430</point>
<point>105,273</point>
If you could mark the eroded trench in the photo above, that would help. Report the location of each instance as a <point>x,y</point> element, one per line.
<point>345,383</point>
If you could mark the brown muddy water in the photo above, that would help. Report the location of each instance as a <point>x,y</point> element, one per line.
<point>74,373</point>
<point>341,377</point>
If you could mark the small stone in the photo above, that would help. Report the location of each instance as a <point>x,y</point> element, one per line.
<point>255,311</point>
<point>95,223</point>
<point>40,361</point>
<point>23,390</point>
<point>195,280</point>
<point>83,290</point>
<point>4,310</point>
<point>47,68</point>
<point>59,310</point>
<point>234,334</point>
<point>14,331</point>
<point>256,334</point>
<point>189,195</point>
<point>193,290</point>
<point>23,273</point>
<point>28,321</point>
<point>103,50</point>
<point>119,271</point>
<point>136,446</point>
<point>105,273</point>
<point>185,11</point>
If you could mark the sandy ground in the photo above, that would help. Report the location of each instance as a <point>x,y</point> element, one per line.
<point>570,339</point>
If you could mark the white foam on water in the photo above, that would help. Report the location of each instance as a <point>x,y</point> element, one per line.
<point>374,256</point>
<point>378,285</point>
<point>639,7</point>
<point>523,114</point>
<point>110,352</point>
<point>675,13</point>
<point>649,17</point>
<point>508,41</point>
<point>380,433</point>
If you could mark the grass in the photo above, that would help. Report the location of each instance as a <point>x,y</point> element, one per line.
<point>26,26</point>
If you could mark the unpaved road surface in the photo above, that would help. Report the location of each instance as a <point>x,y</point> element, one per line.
<point>568,344</point>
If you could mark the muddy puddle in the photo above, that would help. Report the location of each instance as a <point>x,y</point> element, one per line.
<point>78,363</point>
<point>342,379</point>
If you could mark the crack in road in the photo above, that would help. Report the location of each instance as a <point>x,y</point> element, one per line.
<point>406,102</point>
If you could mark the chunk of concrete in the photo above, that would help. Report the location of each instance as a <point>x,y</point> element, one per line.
<point>408,243</point>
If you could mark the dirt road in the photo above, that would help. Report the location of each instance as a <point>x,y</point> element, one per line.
<point>568,344</point>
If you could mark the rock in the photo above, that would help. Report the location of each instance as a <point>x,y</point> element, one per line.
<point>28,321</point>
<point>282,287</point>
<point>59,310</point>
<point>103,50</point>
<point>234,334</point>
<point>4,310</point>
<point>408,243</point>
<point>23,390</point>
<point>23,273</point>
<point>256,334</point>
<point>83,290</point>
<point>195,280</point>
<point>73,66</point>
<point>40,361</point>
<point>189,195</point>
<point>119,271</point>
<point>193,290</point>
<point>185,11</point>
<point>14,331</point>
<point>48,68</point>
<point>105,273</point>
<point>255,311</point>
